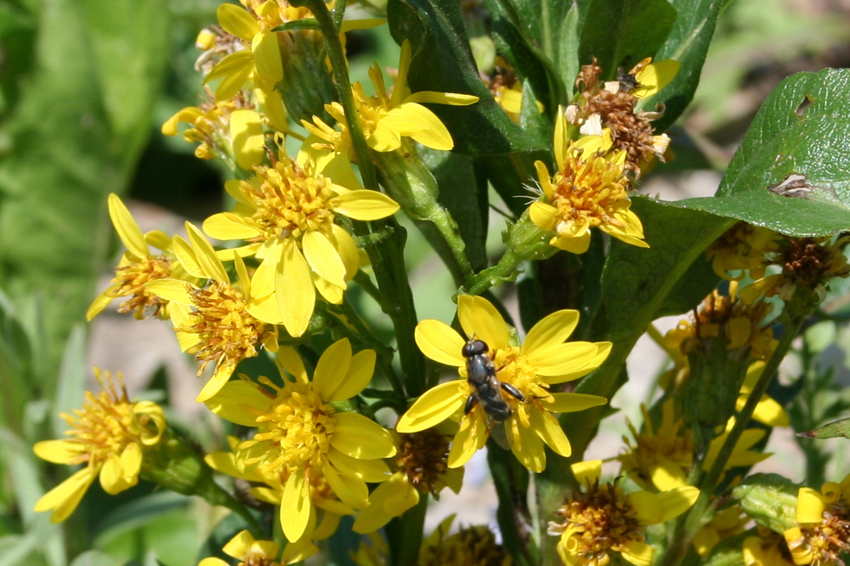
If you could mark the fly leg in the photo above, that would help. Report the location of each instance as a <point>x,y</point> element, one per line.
<point>471,401</point>
<point>512,390</point>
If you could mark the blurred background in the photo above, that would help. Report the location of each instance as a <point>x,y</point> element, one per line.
<point>85,86</point>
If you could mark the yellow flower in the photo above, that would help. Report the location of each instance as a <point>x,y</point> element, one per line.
<point>220,322</point>
<point>421,464</point>
<point>108,435</point>
<point>766,549</point>
<point>823,519</point>
<point>302,438</point>
<point>386,119</point>
<point>543,360</point>
<point>589,190</point>
<point>603,519</point>
<point>742,248</point>
<point>662,456</point>
<point>287,214</point>
<point>251,552</point>
<point>137,267</point>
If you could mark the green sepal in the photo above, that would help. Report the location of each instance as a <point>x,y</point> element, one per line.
<point>770,499</point>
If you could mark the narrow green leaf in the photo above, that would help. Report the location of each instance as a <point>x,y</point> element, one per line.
<point>620,33</point>
<point>299,25</point>
<point>832,430</point>
<point>72,378</point>
<point>790,173</point>
<point>687,43</point>
<point>442,61</point>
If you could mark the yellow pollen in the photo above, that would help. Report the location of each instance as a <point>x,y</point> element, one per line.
<point>131,280</point>
<point>828,541</point>
<point>105,424</point>
<point>228,334</point>
<point>587,192</point>
<point>290,201</point>
<point>514,368</point>
<point>298,429</point>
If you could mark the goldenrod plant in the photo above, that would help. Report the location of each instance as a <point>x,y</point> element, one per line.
<point>338,396</point>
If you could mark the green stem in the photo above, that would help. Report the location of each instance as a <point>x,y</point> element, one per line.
<point>688,525</point>
<point>365,283</point>
<point>339,64</point>
<point>405,534</point>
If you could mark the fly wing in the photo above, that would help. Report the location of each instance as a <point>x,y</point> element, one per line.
<point>498,433</point>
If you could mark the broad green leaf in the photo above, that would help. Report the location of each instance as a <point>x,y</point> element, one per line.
<point>97,558</point>
<point>687,43</point>
<point>72,378</point>
<point>840,428</point>
<point>620,33</point>
<point>442,61</point>
<point>567,59</point>
<point>76,134</point>
<point>16,366</point>
<point>17,35</point>
<point>697,282</point>
<point>791,172</point>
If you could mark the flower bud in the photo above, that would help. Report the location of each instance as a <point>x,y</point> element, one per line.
<point>770,499</point>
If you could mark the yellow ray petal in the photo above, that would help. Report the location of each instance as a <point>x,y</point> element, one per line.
<point>390,499</point>
<point>267,56</point>
<point>351,490</point>
<point>572,402</point>
<point>416,121</point>
<point>655,77</point>
<point>450,98</point>
<point>296,295</point>
<point>58,451</point>
<point>221,375</point>
<point>560,359</point>
<point>542,215</point>
<point>246,132</point>
<point>205,254</point>
<point>323,258</point>
<point>529,450</point>
<point>347,248</point>
<point>232,65</point>
<point>562,138</point>
<point>434,406</point>
<point>440,342</point>
<point>129,232</point>
<point>289,360</point>
<point>359,375</point>
<point>186,256</point>
<point>549,430</point>
<point>372,471</point>
<point>99,303</point>
<point>360,437</point>
<point>365,205</point>
<point>231,399</point>
<point>228,226</point>
<point>237,21</point>
<point>551,331</point>
<point>332,368</point>
<point>65,497</point>
<point>173,290</point>
<point>295,506</point>
<point>587,472</point>
<point>810,506</point>
<point>478,317</point>
<point>470,438</point>
<point>188,115</point>
<point>590,364</point>
<point>636,552</point>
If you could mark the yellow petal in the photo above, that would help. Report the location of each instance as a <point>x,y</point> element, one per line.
<point>267,56</point>
<point>350,490</point>
<point>416,121</point>
<point>329,292</point>
<point>562,138</point>
<point>549,430</point>
<point>129,232</point>
<point>655,77</point>
<point>589,364</point>
<point>365,205</point>
<point>295,506</point>
<point>246,131</point>
<point>390,499</point>
<point>385,137</point>
<point>561,359</point>
<point>231,399</point>
<point>575,245</point>
<point>360,437</point>
<point>479,318</point>
<point>587,472</point>
<point>810,506</point>
<point>188,115</point>
<point>667,475</point>
<point>542,215</point>
<point>434,406</point>
<point>289,360</point>
<point>99,303</point>
<point>347,249</point>
<point>572,402</point>
<point>186,256</point>
<point>440,342</point>
<point>229,226</point>
<point>767,411</point>
<point>65,497</point>
<point>332,368</point>
<point>222,374</point>
<point>450,98</point>
<point>231,83</point>
<point>470,438</point>
<point>58,451</point>
<point>237,21</point>
<point>274,111</point>
<point>358,377</point>
<point>323,258</point>
<point>552,330</point>
<point>529,450</point>
<point>636,552</point>
<point>544,178</point>
<point>205,254</point>
<point>173,290</point>
<point>372,471</point>
<point>296,295</point>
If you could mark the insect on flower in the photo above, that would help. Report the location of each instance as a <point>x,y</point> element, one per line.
<point>482,376</point>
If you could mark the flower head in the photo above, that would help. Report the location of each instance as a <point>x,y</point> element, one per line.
<point>222,322</point>
<point>726,523</point>
<point>589,190</point>
<point>420,466</point>
<point>766,549</point>
<point>530,369</point>
<point>251,552</point>
<point>302,440</point>
<point>286,213</point>
<point>823,518</point>
<point>742,247</point>
<point>604,519</point>
<point>385,118</point>
<point>108,436</point>
<point>138,266</point>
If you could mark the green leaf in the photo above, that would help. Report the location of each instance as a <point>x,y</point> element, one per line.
<point>442,61</point>
<point>621,33</point>
<point>791,172</point>
<point>76,134</point>
<point>15,366</point>
<point>72,378</point>
<point>697,282</point>
<point>840,428</point>
<point>299,25</point>
<point>97,558</point>
<point>687,43</point>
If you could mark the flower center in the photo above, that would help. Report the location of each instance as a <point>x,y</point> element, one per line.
<point>587,193</point>
<point>227,332</point>
<point>131,279</point>
<point>290,200</point>
<point>423,456</point>
<point>513,368</point>
<point>470,546</point>
<point>652,448</point>
<point>827,542</point>
<point>104,426</point>
<point>598,521</point>
<point>298,429</point>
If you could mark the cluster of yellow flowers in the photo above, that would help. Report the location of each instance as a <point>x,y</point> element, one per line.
<point>315,449</point>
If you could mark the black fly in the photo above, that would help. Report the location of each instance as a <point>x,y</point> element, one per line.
<point>487,389</point>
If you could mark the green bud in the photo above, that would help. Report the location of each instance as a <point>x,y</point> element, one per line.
<point>409,182</point>
<point>527,240</point>
<point>770,499</point>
